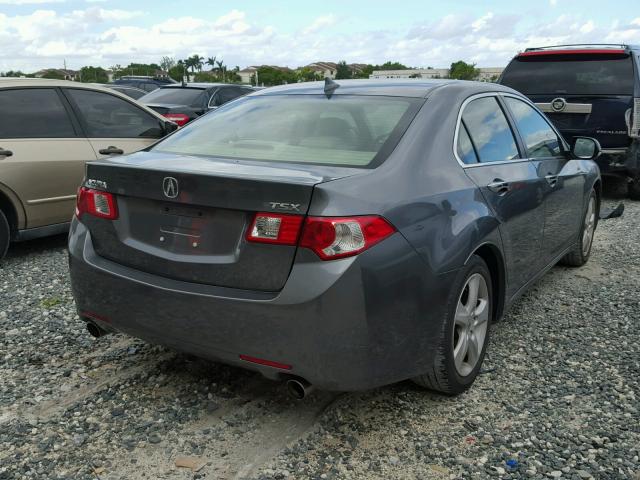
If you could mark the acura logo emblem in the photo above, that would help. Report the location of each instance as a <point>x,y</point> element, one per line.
<point>558,104</point>
<point>170,187</point>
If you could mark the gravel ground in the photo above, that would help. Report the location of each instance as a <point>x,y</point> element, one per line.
<point>558,397</point>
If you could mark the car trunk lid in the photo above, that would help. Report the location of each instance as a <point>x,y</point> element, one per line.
<point>186,218</point>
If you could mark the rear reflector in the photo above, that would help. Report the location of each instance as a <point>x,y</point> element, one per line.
<point>333,237</point>
<point>328,237</point>
<point>634,122</point>
<point>275,228</point>
<point>96,203</point>
<point>179,118</point>
<point>268,363</point>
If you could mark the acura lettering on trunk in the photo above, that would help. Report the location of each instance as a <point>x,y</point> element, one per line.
<point>339,235</point>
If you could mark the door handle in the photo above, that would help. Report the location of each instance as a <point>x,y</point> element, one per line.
<point>499,186</point>
<point>111,150</point>
<point>552,180</point>
<point>5,153</point>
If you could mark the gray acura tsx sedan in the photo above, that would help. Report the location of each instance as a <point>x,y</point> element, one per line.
<point>341,234</point>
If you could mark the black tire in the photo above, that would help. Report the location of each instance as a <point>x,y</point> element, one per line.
<point>444,376</point>
<point>579,255</point>
<point>634,187</point>
<point>5,235</point>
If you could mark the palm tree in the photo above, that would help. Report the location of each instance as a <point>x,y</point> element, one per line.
<point>221,68</point>
<point>212,62</point>
<point>198,62</point>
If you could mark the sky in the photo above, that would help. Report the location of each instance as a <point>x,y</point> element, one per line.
<point>36,34</point>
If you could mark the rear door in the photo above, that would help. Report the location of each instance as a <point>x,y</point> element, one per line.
<point>489,151</point>
<point>44,153</point>
<point>113,125</point>
<point>584,92</point>
<point>563,185</point>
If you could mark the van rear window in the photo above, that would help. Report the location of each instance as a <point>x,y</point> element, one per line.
<point>571,74</point>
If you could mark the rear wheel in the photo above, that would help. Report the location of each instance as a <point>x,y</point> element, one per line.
<point>465,332</point>
<point>582,250</point>
<point>5,235</point>
<point>634,187</point>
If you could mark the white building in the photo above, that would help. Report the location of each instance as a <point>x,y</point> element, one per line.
<point>486,74</point>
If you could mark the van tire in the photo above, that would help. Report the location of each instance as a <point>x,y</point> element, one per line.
<point>5,235</point>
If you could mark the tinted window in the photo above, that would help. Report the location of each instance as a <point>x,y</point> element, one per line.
<point>176,96</point>
<point>131,92</point>
<point>465,147</point>
<point>298,128</point>
<point>539,138</point>
<point>225,95</point>
<point>33,113</point>
<point>149,87</point>
<point>571,74</point>
<point>489,130</point>
<point>107,116</point>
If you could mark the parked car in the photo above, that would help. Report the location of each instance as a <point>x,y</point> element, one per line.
<point>345,236</point>
<point>148,84</point>
<point>591,90</point>
<point>128,90</point>
<point>50,128</point>
<point>182,103</point>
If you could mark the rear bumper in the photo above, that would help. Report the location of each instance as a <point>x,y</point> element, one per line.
<point>348,324</point>
<point>621,161</point>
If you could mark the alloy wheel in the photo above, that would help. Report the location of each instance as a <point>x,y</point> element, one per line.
<point>589,226</point>
<point>470,325</point>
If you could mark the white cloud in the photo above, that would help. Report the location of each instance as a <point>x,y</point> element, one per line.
<point>553,3</point>
<point>103,36</point>
<point>28,2</point>
<point>319,23</point>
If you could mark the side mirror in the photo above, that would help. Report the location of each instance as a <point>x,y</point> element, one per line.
<point>586,148</point>
<point>169,127</point>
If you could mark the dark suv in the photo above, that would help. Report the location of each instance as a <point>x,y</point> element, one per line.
<point>148,84</point>
<point>588,90</point>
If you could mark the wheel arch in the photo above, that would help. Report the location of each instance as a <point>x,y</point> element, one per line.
<point>492,256</point>
<point>15,216</point>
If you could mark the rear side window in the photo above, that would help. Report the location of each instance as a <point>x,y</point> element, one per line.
<point>108,116</point>
<point>571,74</point>
<point>34,113</point>
<point>225,95</point>
<point>489,130</point>
<point>465,148</point>
<point>355,131</point>
<point>539,138</point>
<point>194,97</point>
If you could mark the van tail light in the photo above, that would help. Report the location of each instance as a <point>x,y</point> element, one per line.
<point>178,118</point>
<point>634,123</point>
<point>96,203</point>
<point>329,237</point>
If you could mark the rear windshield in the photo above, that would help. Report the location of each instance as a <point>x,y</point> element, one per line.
<point>355,131</point>
<point>176,96</point>
<point>596,75</point>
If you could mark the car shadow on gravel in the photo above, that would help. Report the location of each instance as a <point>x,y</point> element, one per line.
<point>37,246</point>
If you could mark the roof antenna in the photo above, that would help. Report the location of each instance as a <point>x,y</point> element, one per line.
<point>329,87</point>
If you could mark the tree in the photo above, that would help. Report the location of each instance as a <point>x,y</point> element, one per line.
<point>391,66</point>
<point>53,75</point>
<point>93,75</point>
<point>13,73</point>
<point>211,61</point>
<point>147,69</point>
<point>178,72</point>
<point>167,63</point>
<point>463,71</point>
<point>221,69</point>
<point>364,72</point>
<point>306,74</point>
<point>275,76</point>
<point>343,71</point>
<point>117,70</point>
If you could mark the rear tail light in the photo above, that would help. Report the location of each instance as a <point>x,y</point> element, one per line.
<point>96,203</point>
<point>328,237</point>
<point>275,228</point>
<point>179,118</point>
<point>634,123</point>
<point>331,237</point>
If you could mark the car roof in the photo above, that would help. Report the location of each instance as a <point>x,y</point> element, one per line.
<point>418,88</point>
<point>201,85</point>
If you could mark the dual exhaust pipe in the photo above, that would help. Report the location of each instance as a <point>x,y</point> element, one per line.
<point>297,388</point>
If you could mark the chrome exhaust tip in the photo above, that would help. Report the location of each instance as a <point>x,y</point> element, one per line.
<point>299,388</point>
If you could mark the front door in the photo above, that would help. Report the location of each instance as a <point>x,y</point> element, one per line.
<point>114,125</point>
<point>561,178</point>
<point>509,183</point>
